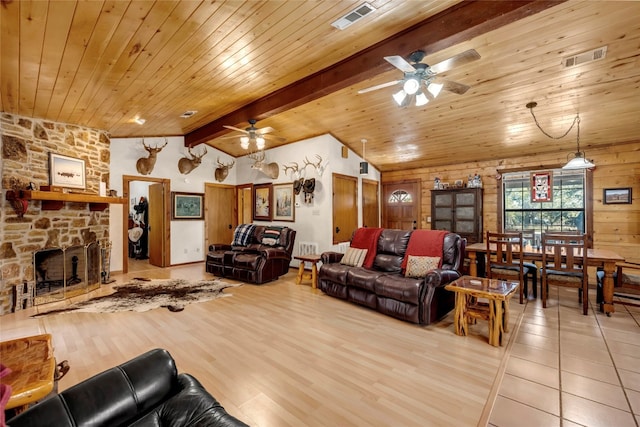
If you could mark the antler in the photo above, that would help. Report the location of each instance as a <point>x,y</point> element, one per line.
<point>317,166</point>
<point>294,169</point>
<point>257,156</point>
<point>225,165</point>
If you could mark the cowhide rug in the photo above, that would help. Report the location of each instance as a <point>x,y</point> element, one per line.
<point>144,294</point>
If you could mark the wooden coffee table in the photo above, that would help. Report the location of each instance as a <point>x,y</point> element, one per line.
<point>468,289</point>
<point>302,275</point>
<point>32,369</point>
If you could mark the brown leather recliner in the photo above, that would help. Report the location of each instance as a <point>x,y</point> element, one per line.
<point>385,289</point>
<point>255,263</point>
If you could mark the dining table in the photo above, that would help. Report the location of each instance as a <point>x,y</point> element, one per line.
<point>603,258</point>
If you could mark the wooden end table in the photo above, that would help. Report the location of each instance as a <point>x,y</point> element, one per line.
<point>32,369</point>
<point>302,275</point>
<point>468,289</point>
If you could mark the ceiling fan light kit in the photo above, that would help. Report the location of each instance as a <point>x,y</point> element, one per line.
<point>579,159</point>
<point>253,134</point>
<point>419,78</point>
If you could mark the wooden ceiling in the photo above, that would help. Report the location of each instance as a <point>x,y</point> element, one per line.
<point>103,63</point>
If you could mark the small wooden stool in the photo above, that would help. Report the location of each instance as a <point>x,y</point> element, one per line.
<point>302,275</point>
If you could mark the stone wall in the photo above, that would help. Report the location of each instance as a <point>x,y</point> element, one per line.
<point>26,144</point>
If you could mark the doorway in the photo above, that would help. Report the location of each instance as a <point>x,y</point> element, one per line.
<point>159,208</point>
<point>401,205</point>
<point>220,213</point>
<point>345,207</point>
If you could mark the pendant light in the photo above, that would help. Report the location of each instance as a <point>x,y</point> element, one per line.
<point>579,160</point>
<point>364,166</point>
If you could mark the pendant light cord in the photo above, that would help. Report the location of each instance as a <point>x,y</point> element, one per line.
<point>576,119</point>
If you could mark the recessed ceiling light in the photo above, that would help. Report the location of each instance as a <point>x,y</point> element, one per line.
<point>139,120</point>
<point>188,114</point>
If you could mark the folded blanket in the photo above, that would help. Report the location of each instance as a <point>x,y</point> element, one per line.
<point>367,238</point>
<point>425,243</point>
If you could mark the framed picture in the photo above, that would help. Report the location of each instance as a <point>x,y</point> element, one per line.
<point>614,196</point>
<point>187,205</point>
<point>541,186</point>
<point>262,202</point>
<point>283,200</point>
<point>66,171</point>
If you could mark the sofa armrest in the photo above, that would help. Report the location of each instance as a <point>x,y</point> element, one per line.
<point>274,253</point>
<point>331,257</point>
<point>440,277</point>
<point>219,247</point>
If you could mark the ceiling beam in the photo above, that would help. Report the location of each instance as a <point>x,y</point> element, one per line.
<point>459,23</point>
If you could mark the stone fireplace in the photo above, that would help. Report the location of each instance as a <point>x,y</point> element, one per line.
<point>30,226</point>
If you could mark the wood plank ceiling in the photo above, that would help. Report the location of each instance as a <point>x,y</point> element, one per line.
<point>104,63</point>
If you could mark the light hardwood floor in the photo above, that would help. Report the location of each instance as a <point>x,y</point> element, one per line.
<point>285,355</point>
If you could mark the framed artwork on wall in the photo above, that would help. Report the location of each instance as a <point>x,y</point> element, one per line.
<point>283,200</point>
<point>541,186</point>
<point>187,205</point>
<point>65,171</point>
<point>262,202</point>
<point>614,196</point>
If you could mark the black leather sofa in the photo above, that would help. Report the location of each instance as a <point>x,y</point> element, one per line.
<point>255,262</point>
<point>384,288</point>
<point>145,391</point>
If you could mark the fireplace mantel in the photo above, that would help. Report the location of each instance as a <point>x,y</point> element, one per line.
<point>54,200</point>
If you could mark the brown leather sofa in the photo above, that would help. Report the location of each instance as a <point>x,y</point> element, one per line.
<point>384,288</point>
<point>254,263</point>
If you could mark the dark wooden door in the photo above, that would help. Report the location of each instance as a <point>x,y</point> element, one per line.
<point>156,225</point>
<point>401,205</point>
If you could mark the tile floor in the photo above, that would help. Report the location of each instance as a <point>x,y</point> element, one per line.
<point>566,369</point>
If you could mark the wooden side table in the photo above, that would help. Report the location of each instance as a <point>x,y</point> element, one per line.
<point>302,275</point>
<point>468,289</point>
<point>32,369</point>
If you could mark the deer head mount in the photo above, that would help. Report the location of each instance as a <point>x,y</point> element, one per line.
<point>318,166</point>
<point>145,165</point>
<point>222,170</point>
<point>272,170</point>
<point>190,162</point>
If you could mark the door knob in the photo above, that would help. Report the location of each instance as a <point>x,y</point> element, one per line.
<point>230,226</point>
<point>337,230</point>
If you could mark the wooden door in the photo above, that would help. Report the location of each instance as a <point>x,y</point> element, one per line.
<point>345,207</point>
<point>401,205</point>
<point>370,203</point>
<point>220,213</point>
<point>156,225</point>
<point>245,204</point>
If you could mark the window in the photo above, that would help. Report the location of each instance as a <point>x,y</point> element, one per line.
<point>567,210</point>
<point>400,196</point>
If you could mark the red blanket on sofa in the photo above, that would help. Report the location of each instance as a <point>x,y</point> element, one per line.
<point>425,243</point>
<point>367,238</point>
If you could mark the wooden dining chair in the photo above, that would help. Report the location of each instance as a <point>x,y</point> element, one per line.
<point>529,239</point>
<point>505,259</point>
<point>564,263</point>
<point>626,281</point>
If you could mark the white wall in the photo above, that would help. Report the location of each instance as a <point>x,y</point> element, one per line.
<point>313,221</point>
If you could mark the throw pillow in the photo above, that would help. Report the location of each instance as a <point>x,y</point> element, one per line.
<point>242,234</point>
<point>271,236</point>
<point>419,266</point>
<point>354,257</point>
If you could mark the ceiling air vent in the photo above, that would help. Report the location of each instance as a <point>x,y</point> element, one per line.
<point>188,114</point>
<point>581,58</point>
<point>353,16</point>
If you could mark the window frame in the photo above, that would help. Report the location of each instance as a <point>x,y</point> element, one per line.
<point>588,196</point>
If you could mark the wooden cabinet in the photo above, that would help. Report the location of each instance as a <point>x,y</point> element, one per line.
<point>459,211</point>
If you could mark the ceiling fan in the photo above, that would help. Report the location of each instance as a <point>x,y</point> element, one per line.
<point>420,80</point>
<point>252,133</point>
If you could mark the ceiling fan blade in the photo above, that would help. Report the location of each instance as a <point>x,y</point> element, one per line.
<point>400,63</point>
<point>456,60</point>
<point>235,128</point>
<point>454,87</point>
<point>274,138</point>
<point>380,86</point>
<point>267,129</point>
<point>233,136</point>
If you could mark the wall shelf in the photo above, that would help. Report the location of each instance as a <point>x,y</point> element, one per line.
<point>54,200</point>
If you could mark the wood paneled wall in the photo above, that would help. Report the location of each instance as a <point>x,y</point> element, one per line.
<point>616,227</point>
